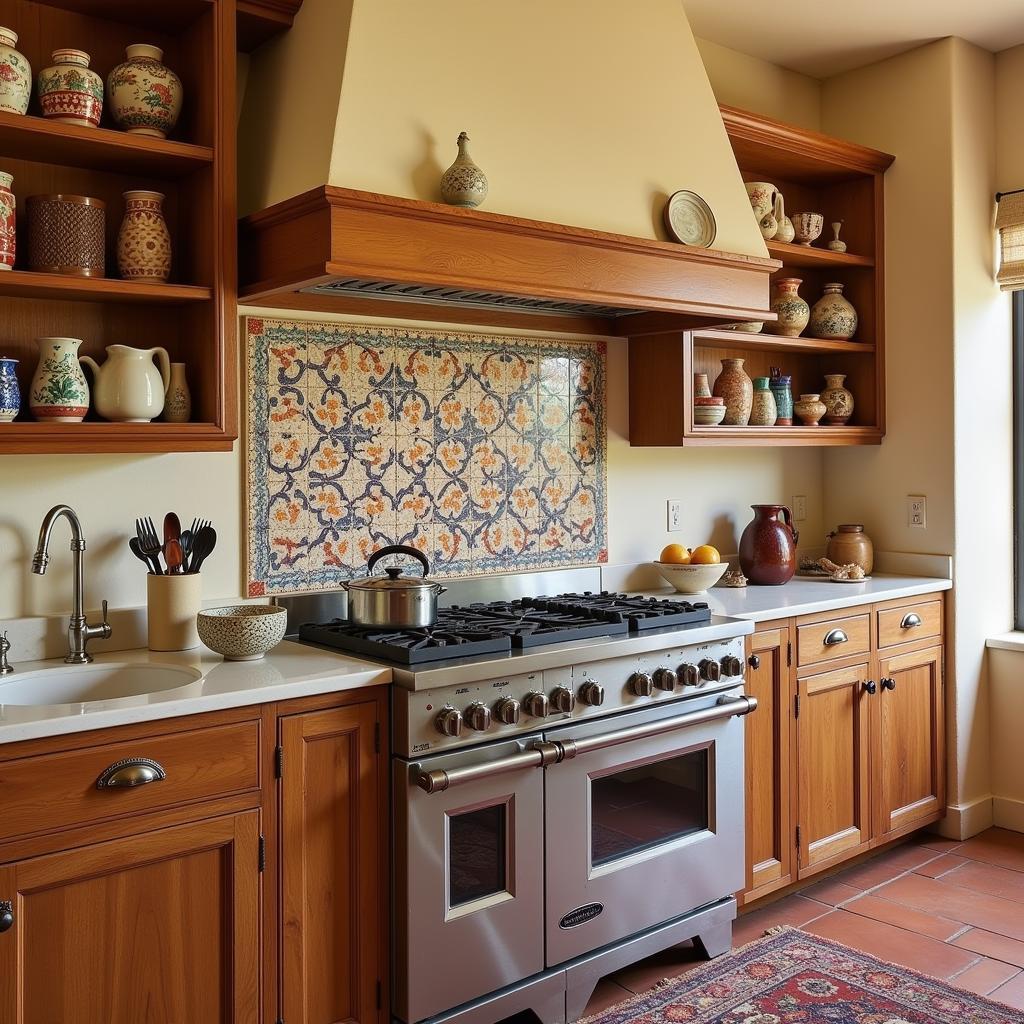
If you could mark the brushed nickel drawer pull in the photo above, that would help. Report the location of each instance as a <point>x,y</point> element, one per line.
<point>910,620</point>
<point>835,636</point>
<point>131,772</point>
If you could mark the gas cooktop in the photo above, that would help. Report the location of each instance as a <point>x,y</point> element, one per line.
<point>505,626</point>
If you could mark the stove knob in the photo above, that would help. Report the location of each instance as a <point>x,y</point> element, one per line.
<point>710,670</point>
<point>664,679</point>
<point>449,722</point>
<point>688,675</point>
<point>507,711</point>
<point>641,684</point>
<point>592,693</point>
<point>536,704</point>
<point>563,699</point>
<point>478,716</point>
<point>732,666</point>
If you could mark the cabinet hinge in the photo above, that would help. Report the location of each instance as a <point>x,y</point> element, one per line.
<point>796,706</point>
<point>262,855</point>
<point>278,762</point>
<point>789,653</point>
<point>380,994</point>
<point>376,737</point>
<point>798,838</point>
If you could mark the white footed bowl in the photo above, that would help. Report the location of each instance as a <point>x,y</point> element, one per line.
<point>691,579</point>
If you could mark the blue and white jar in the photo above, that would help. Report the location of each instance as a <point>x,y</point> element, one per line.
<point>10,394</point>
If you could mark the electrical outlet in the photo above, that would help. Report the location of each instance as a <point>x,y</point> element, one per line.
<point>799,506</point>
<point>675,514</point>
<point>917,511</point>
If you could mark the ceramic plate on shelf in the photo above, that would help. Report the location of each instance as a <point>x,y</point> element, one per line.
<point>832,579</point>
<point>689,219</point>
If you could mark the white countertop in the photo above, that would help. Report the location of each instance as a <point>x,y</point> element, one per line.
<point>290,670</point>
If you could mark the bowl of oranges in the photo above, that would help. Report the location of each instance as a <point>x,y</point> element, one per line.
<point>691,572</point>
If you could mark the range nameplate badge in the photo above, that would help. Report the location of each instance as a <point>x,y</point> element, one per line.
<point>581,915</point>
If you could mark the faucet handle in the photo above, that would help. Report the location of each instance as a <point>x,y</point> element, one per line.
<point>105,630</point>
<point>105,611</point>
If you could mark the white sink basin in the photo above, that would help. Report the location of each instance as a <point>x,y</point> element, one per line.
<point>83,684</point>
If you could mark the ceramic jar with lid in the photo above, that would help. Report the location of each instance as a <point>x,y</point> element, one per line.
<point>15,75</point>
<point>763,411</point>
<point>833,316</point>
<point>838,399</point>
<point>848,544</point>
<point>69,92</point>
<point>144,94</point>
<point>733,385</point>
<point>791,310</point>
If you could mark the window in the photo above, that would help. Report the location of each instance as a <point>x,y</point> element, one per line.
<point>1018,457</point>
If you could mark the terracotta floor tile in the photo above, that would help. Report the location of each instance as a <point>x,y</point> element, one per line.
<point>996,846</point>
<point>998,947</point>
<point>670,963</point>
<point>985,976</point>
<point>832,891</point>
<point>941,865</point>
<point>905,917</point>
<point>1012,993</point>
<point>934,842</point>
<point>894,945</point>
<point>990,878</point>
<point>605,996</point>
<point>792,910</point>
<point>887,866</point>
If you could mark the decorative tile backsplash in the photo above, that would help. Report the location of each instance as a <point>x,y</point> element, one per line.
<point>487,453</point>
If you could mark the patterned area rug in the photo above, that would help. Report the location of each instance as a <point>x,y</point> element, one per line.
<point>795,978</point>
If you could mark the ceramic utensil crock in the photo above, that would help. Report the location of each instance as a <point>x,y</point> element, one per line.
<point>768,546</point>
<point>173,602</point>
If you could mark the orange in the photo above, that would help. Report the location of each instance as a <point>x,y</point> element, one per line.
<point>705,555</point>
<point>676,554</point>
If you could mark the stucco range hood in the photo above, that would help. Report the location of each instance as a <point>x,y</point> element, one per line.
<point>340,250</point>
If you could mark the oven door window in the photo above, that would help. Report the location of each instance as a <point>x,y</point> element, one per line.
<point>646,806</point>
<point>478,856</point>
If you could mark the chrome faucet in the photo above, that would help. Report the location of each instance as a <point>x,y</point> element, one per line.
<point>79,630</point>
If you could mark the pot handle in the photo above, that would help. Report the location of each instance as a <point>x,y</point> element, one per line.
<point>789,522</point>
<point>398,549</point>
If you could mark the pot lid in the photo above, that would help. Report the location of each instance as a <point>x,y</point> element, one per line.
<point>394,578</point>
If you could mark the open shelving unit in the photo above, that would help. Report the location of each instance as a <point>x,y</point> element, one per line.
<point>193,314</point>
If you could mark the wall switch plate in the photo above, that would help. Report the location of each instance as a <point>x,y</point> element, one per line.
<point>675,514</point>
<point>799,507</point>
<point>917,511</point>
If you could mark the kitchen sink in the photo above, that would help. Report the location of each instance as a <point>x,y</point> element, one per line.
<point>82,684</point>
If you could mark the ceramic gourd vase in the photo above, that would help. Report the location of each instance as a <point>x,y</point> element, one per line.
<point>833,316</point>
<point>144,94</point>
<point>128,388</point>
<point>781,385</point>
<point>69,92</point>
<point>791,310</point>
<point>8,222</point>
<point>836,244</point>
<point>809,409</point>
<point>786,231</point>
<point>848,544</point>
<point>838,399</point>
<point>10,393</point>
<point>178,405</point>
<point>733,385</point>
<point>143,241</point>
<point>763,411</point>
<point>15,75</point>
<point>464,184</point>
<point>59,392</point>
<point>768,546</point>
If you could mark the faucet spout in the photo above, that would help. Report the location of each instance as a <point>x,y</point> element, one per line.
<point>41,558</point>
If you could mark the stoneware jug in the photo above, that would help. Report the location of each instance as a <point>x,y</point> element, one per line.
<point>768,546</point>
<point>59,392</point>
<point>127,388</point>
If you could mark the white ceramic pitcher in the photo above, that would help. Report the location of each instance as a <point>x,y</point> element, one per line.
<point>127,388</point>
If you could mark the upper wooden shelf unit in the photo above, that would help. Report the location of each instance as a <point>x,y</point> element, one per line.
<point>260,20</point>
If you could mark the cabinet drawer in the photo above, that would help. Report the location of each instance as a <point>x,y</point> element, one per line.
<point>817,642</point>
<point>910,622</point>
<point>49,792</point>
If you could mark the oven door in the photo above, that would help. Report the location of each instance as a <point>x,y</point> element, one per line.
<point>469,885</point>
<point>644,820</point>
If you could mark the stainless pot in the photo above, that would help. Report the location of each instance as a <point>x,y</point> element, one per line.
<point>394,601</point>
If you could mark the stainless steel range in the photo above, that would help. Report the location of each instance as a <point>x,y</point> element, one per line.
<point>565,804</point>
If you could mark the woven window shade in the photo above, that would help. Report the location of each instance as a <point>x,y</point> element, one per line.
<point>1010,224</point>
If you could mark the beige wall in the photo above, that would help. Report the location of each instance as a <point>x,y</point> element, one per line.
<point>1009,102</point>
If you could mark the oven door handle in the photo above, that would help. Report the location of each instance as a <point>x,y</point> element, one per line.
<point>725,707</point>
<point>537,756</point>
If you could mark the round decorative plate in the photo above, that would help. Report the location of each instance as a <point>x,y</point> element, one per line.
<point>689,219</point>
<point>863,579</point>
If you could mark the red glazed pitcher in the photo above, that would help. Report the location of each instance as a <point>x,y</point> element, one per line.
<point>768,546</point>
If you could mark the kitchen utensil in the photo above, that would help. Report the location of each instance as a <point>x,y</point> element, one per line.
<point>172,527</point>
<point>393,600</point>
<point>691,579</point>
<point>768,546</point>
<point>149,541</point>
<point>174,557</point>
<point>243,632</point>
<point>689,219</point>
<point>136,546</point>
<point>203,543</point>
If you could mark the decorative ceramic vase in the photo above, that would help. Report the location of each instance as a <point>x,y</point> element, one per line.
<point>736,388</point>
<point>128,388</point>
<point>8,222</point>
<point>67,235</point>
<point>178,406</point>
<point>833,316</point>
<point>144,94</point>
<point>10,393</point>
<point>15,75</point>
<point>786,230</point>
<point>763,411</point>
<point>781,385</point>
<point>836,244</point>
<point>701,388</point>
<point>464,184</point>
<point>59,392</point>
<point>848,544</point>
<point>838,399</point>
<point>769,226</point>
<point>809,409</point>
<point>762,198</point>
<point>807,227</point>
<point>793,313</point>
<point>768,546</point>
<point>69,92</point>
<point>143,242</point>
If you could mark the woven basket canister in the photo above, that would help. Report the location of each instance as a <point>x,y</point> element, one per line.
<point>67,235</point>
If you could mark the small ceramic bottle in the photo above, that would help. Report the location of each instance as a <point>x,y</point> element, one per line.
<point>8,222</point>
<point>763,411</point>
<point>15,75</point>
<point>178,404</point>
<point>10,393</point>
<point>781,385</point>
<point>833,316</point>
<point>809,409</point>
<point>838,400</point>
<point>143,242</point>
<point>143,93</point>
<point>736,388</point>
<point>700,386</point>
<point>69,92</point>
<point>59,392</point>
<point>464,184</point>
<point>836,244</point>
<point>793,313</point>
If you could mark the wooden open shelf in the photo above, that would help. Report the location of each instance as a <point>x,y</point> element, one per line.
<point>793,255</point>
<point>64,438</point>
<point>795,436</point>
<point>775,343</point>
<point>29,285</point>
<point>260,20</point>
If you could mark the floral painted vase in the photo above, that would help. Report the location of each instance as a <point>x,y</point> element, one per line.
<point>763,411</point>
<point>838,399</point>
<point>59,392</point>
<point>793,313</point>
<point>781,385</point>
<point>69,92</point>
<point>178,403</point>
<point>144,94</point>
<point>8,222</point>
<point>833,316</point>
<point>737,389</point>
<point>810,409</point>
<point>10,393</point>
<point>464,184</point>
<point>143,241</point>
<point>15,75</point>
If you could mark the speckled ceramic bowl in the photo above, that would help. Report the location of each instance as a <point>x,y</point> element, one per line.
<point>242,632</point>
<point>691,579</point>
